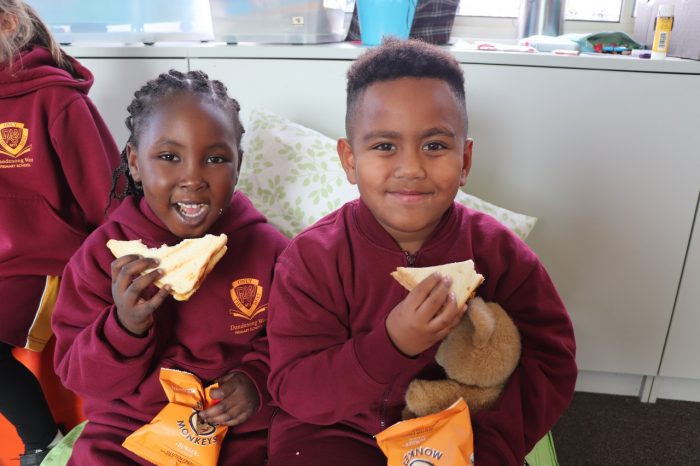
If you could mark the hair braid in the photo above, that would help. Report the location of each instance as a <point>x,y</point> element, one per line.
<point>145,101</point>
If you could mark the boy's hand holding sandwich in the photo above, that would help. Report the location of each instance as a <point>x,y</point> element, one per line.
<point>434,306</point>
<point>425,316</point>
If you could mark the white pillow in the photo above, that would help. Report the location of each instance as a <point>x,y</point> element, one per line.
<point>292,174</point>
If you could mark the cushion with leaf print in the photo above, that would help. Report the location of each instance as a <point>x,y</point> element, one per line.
<point>292,174</point>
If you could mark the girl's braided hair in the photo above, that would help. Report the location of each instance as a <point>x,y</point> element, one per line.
<point>145,100</point>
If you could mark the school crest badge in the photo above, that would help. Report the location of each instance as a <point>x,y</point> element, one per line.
<point>246,294</point>
<point>13,139</point>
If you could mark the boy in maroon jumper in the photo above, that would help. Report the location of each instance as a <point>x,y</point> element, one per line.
<point>345,338</point>
<point>115,331</point>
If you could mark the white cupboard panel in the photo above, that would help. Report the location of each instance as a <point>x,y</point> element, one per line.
<point>683,346</point>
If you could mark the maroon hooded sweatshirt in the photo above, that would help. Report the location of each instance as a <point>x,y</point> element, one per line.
<point>220,329</point>
<point>333,364</point>
<point>56,162</point>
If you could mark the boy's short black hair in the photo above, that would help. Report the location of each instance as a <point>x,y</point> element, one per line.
<point>396,59</point>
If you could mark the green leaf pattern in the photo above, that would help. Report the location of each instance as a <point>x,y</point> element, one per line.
<point>292,174</point>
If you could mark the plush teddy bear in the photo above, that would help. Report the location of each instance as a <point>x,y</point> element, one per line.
<point>478,357</point>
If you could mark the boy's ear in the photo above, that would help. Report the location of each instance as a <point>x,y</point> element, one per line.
<point>347,159</point>
<point>133,163</point>
<point>466,161</point>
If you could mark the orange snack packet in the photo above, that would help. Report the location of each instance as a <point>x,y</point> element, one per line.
<point>177,436</point>
<point>440,439</point>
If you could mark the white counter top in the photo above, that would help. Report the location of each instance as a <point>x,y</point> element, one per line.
<point>349,51</point>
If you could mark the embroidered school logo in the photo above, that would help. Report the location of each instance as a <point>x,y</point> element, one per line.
<point>13,139</point>
<point>246,294</point>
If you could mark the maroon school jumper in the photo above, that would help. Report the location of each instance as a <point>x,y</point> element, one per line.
<point>340,380</point>
<point>219,330</point>
<point>56,162</point>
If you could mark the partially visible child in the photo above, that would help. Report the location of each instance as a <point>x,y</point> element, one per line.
<point>115,330</point>
<point>56,160</point>
<point>346,338</point>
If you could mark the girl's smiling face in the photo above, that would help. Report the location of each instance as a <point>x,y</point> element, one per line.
<point>187,162</point>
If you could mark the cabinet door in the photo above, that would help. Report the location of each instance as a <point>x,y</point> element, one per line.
<point>608,162</point>
<point>683,345</point>
<point>116,80</point>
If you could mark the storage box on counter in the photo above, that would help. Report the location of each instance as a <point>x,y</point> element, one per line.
<point>127,20</point>
<point>684,41</point>
<point>279,21</point>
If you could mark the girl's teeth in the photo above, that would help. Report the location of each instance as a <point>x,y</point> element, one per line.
<point>192,210</point>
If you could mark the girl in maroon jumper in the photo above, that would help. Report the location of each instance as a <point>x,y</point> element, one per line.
<point>115,330</point>
<point>56,157</point>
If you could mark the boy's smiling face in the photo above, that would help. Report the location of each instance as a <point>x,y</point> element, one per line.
<point>408,155</point>
<point>187,161</point>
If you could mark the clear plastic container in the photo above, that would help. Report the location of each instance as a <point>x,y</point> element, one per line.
<point>127,20</point>
<point>279,21</point>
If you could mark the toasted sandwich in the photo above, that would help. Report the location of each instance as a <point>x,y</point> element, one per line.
<point>185,264</point>
<point>465,280</point>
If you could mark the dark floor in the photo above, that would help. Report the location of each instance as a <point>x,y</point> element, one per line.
<point>615,430</point>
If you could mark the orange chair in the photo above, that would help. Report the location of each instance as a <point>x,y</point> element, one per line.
<point>65,405</point>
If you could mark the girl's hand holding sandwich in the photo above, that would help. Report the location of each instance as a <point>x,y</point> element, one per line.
<point>135,312</point>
